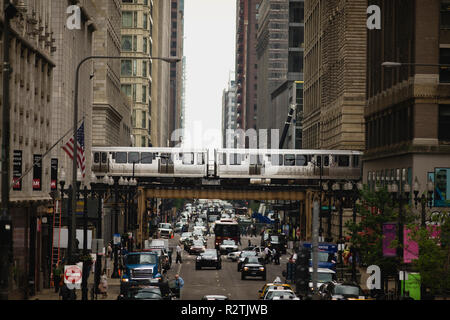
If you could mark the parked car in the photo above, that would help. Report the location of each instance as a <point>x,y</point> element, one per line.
<point>208,258</point>
<point>254,267</point>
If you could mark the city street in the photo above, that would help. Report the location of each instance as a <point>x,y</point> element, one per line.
<point>227,281</point>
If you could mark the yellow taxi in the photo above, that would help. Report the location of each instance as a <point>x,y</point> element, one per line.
<point>277,285</point>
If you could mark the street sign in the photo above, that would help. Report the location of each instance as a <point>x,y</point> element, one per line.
<point>72,276</point>
<point>116,238</point>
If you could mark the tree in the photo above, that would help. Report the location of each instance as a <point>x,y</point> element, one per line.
<point>433,262</point>
<point>366,237</point>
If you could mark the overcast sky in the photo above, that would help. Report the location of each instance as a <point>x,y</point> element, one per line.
<point>209,47</point>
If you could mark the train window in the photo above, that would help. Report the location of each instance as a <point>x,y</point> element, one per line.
<point>133,157</point>
<point>96,157</point>
<point>319,161</point>
<point>188,158</point>
<point>355,161</point>
<point>255,159</point>
<point>223,158</point>
<point>343,161</point>
<point>300,160</point>
<point>166,158</point>
<point>147,157</point>
<point>277,160</point>
<point>235,159</point>
<point>200,158</point>
<point>289,160</point>
<point>121,157</point>
<point>326,161</point>
<point>104,156</point>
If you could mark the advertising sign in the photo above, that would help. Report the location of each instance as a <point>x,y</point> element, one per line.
<point>17,169</point>
<point>37,172</point>
<point>442,187</point>
<point>410,248</point>
<point>412,286</point>
<point>54,174</point>
<point>389,235</point>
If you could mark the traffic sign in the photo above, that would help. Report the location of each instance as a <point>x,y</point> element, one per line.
<point>72,275</point>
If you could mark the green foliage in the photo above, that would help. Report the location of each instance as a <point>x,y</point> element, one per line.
<point>433,262</point>
<point>375,209</point>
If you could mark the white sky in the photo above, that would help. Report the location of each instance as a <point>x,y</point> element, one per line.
<point>209,47</point>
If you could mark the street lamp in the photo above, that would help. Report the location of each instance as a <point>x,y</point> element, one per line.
<point>75,117</point>
<point>400,197</point>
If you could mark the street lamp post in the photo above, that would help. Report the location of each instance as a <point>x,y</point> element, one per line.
<point>75,121</point>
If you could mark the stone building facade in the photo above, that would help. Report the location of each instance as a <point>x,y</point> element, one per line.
<point>335,73</point>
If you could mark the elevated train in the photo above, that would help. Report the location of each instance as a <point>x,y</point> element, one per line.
<point>258,165</point>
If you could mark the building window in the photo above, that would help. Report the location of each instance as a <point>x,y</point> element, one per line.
<point>127,19</point>
<point>144,94</point>
<point>144,119</point>
<point>134,67</point>
<point>126,89</point>
<point>445,14</point>
<point>144,45</point>
<point>144,68</point>
<point>126,68</point>
<point>444,72</point>
<point>134,92</point>
<point>127,43</point>
<point>444,122</point>
<point>145,22</point>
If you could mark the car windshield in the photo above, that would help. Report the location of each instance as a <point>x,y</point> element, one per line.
<point>248,253</point>
<point>324,277</point>
<point>209,253</point>
<point>186,234</point>
<point>164,225</point>
<point>279,293</point>
<point>347,290</point>
<point>274,238</point>
<point>198,243</point>
<point>253,260</point>
<point>145,294</point>
<point>229,242</point>
<point>141,259</point>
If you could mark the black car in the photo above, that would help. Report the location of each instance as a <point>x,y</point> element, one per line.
<point>141,293</point>
<point>209,258</point>
<point>341,291</point>
<point>254,267</point>
<point>277,241</point>
<point>243,256</point>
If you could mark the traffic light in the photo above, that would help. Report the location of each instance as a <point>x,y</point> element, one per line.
<point>302,275</point>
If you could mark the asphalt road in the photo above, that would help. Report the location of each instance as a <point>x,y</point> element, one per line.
<point>227,281</point>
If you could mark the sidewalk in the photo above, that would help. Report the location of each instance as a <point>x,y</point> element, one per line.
<point>50,294</point>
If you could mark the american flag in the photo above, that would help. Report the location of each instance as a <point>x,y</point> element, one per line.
<point>68,148</point>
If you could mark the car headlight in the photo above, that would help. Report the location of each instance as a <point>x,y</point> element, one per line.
<point>125,279</point>
<point>261,268</point>
<point>245,269</point>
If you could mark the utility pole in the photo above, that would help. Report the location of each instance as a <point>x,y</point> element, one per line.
<point>315,248</point>
<point>10,11</point>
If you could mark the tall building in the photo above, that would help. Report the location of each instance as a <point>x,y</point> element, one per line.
<point>111,114</point>
<point>136,74</point>
<point>176,69</point>
<point>335,73</point>
<point>229,114</point>
<point>160,106</point>
<point>272,56</point>
<point>408,107</point>
<point>246,62</point>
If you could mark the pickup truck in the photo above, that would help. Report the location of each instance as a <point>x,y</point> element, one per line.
<point>141,266</point>
<point>165,230</point>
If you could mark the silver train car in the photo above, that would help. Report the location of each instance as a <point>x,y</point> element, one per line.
<point>288,164</point>
<point>258,165</point>
<point>149,162</point>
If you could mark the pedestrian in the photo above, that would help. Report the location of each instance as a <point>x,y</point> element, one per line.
<point>276,256</point>
<point>103,286</point>
<point>179,251</point>
<point>57,273</point>
<point>109,251</point>
<point>67,294</point>
<point>164,287</point>
<point>249,243</point>
<point>252,233</point>
<point>179,283</point>
<point>267,253</point>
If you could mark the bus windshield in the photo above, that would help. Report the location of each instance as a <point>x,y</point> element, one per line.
<point>226,230</point>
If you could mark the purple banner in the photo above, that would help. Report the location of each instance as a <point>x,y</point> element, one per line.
<point>389,235</point>
<point>410,249</point>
